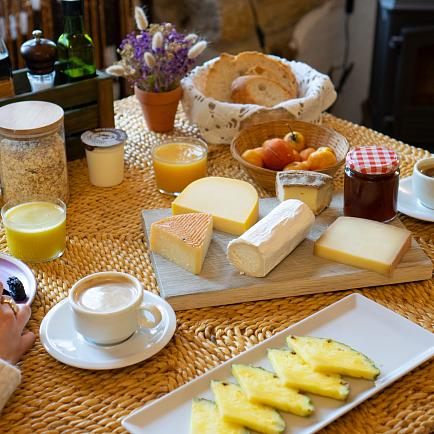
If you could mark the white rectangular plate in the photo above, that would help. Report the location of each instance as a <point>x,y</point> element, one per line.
<point>396,345</point>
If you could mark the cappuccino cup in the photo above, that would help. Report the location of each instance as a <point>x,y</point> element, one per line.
<point>108,307</point>
<point>423,181</point>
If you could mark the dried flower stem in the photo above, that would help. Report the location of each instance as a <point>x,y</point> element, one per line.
<point>140,17</point>
<point>197,49</point>
<point>157,41</point>
<point>116,70</point>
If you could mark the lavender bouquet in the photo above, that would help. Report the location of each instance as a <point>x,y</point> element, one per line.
<point>156,57</point>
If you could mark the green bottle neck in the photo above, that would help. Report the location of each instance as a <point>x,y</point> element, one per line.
<point>74,24</point>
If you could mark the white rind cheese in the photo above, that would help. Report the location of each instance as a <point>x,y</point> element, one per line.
<point>269,241</point>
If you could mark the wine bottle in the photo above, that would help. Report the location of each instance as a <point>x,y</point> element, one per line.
<point>6,82</point>
<point>76,51</point>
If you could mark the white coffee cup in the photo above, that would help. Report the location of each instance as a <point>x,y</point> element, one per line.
<point>108,307</point>
<point>423,185</point>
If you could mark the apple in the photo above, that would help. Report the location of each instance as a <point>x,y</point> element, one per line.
<point>322,158</point>
<point>297,165</point>
<point>296,140</point>
<point>304,154</point>
<point>253,156</point>
<point>296,155</point>
<point>277,154</point>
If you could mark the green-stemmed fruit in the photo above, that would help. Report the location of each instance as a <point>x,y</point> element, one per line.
<point>264,387</point>
<point>206,419</point>
<point>327,355</point>
<point>294,372</point>
<point>234,406</point>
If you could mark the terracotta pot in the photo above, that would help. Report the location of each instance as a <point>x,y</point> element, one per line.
<point>159,109</point>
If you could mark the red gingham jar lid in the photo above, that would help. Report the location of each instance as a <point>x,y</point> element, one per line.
<point>372,160</point>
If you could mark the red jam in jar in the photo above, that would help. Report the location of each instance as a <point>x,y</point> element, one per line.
<point>371,183</point>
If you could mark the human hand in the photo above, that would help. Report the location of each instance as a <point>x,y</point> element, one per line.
<point>13,342</point>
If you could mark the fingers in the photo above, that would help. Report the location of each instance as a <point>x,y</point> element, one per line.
<point>23,316</point>
<point>27,341</point>
<point>6,312</point>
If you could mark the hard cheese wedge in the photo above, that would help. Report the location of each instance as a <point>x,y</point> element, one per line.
<point>268,242</point>
<point>235,407</point>
<point>264,387</point>
<point>294,372</point>
<point>183,239</point>
<point>313,188</point>
<point>205,419</point>
<point>233,203</point>
<point>327,355</point>
<point>364,244</point>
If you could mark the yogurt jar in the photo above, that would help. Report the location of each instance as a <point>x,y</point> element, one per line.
<point>105,155</point>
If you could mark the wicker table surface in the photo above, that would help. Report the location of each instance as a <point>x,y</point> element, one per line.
<point>104,233</point>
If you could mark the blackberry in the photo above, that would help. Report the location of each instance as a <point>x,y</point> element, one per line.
<point>16,289</point>
<point>6,292</point>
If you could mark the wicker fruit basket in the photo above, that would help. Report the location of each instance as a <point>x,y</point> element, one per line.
<point>315,136</point>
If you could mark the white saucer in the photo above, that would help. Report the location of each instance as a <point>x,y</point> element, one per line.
<point>61,341</point>
<point>409,204</point>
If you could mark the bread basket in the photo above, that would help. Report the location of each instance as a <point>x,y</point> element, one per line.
<point>315,136</point>
<point>219,122</point>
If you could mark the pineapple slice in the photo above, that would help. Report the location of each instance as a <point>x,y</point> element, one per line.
<point>293,371</point>
<point>326,355</point>
<point>264,387</point>
<point>205,419</point>
<point>234,407</point>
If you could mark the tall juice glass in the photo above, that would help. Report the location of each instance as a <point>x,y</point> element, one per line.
<point>179,162</point>
<point>35,229</point>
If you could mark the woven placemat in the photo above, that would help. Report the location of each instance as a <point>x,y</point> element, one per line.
<point>105,234</point>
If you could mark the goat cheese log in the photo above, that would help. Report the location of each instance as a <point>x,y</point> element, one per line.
<point>268,242</point>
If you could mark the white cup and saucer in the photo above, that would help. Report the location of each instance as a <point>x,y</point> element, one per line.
<point>416,193</point>
<point>108,321</point>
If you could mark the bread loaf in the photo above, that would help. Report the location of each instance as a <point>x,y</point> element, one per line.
<point>255,89</point>
<point>227,68</point>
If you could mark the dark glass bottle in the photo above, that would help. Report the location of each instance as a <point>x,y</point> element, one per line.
<point>6,82</point>
<point>75,48</point>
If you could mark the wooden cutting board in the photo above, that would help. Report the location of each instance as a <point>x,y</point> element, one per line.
<point>299,273</point>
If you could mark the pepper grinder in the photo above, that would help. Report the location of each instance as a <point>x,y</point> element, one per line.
<point>40,55</point>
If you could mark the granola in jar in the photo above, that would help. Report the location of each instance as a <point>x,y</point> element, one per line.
<point>32,151</point>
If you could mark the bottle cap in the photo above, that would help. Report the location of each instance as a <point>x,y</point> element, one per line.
<point>103,138</point>
<point>372,160</point>
<point>39,54</point>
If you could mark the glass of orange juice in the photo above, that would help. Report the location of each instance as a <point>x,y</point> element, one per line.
<point>35,228</point>
<point>178,162</point>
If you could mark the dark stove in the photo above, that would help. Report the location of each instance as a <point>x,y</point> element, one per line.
<point>401,100</point>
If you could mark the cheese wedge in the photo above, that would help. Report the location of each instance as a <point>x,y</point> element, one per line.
<point>313,188</point>
<point>364,244</point>
<point>233,204</point>
<point>183,239</point>
<point>269,241</point>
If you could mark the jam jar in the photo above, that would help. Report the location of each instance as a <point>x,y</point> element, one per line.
<point>371,183</point>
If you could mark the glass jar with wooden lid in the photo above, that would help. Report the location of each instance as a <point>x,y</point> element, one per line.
<point>32,151</point>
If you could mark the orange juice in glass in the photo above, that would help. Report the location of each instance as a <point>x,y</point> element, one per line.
<point>178,162</point>
<point>35,229</point>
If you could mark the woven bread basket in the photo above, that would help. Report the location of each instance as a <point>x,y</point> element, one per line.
<point>314,135</point>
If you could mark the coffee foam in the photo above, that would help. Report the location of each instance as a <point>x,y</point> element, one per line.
<point>106,295</point>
